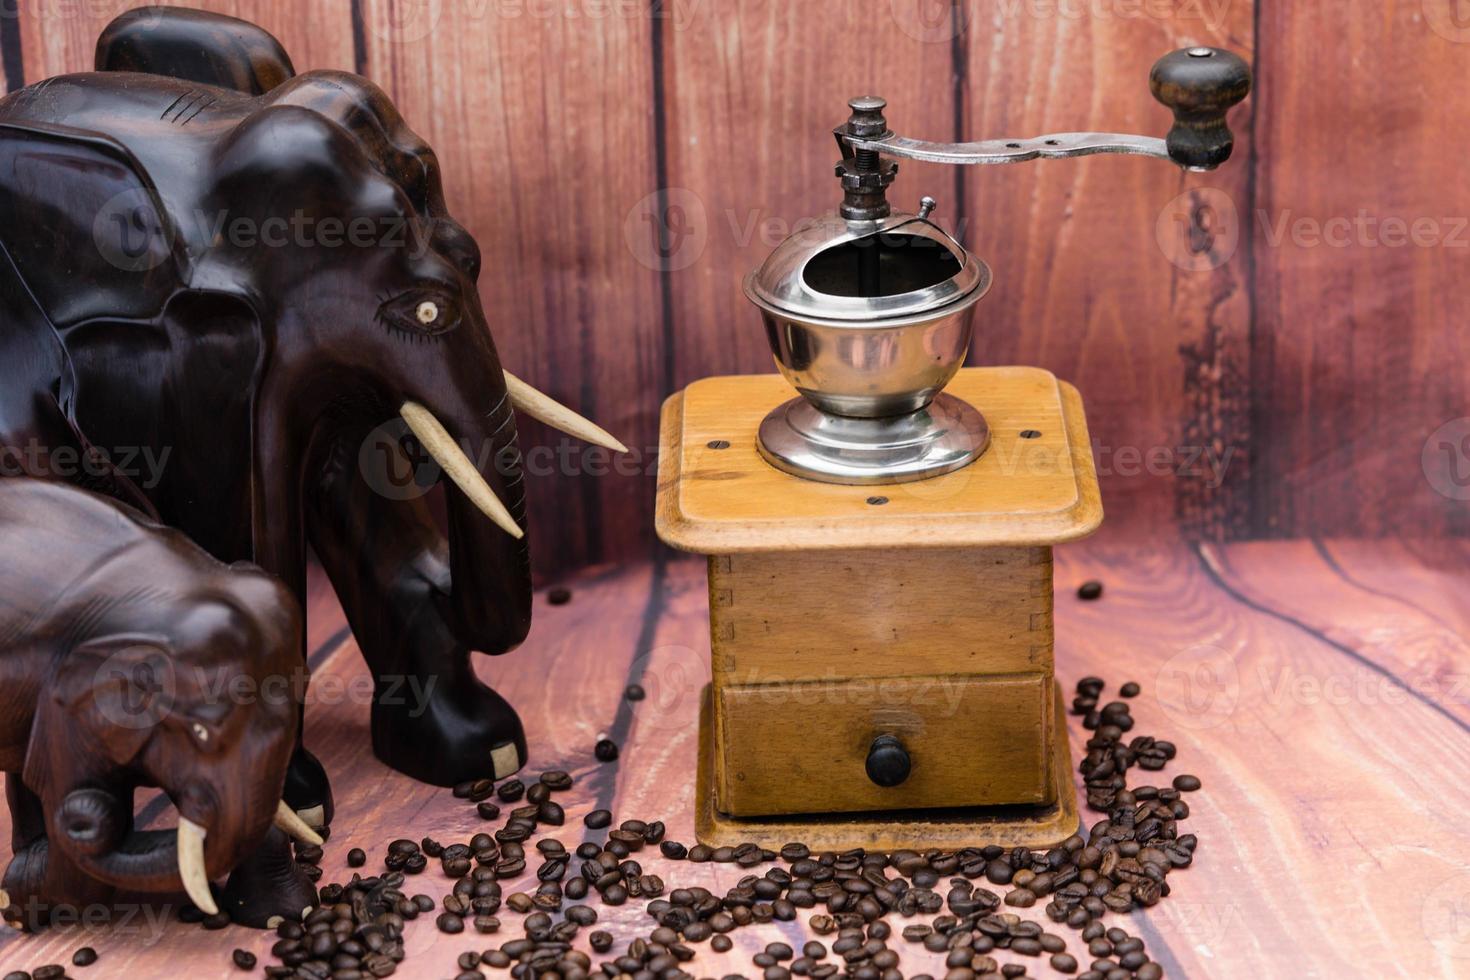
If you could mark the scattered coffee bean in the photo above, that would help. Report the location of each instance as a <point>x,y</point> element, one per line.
<point>356,857</point>
<point>244,959</point>
<point>598,819</point>
<point>85,956</point>
<point>1130,689</point>
<point>1091,589</point>
<point>559,596</point>
<point>606,750</point>
<point>1186,783</point>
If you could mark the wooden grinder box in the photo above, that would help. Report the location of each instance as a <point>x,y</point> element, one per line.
<point>919,613</point>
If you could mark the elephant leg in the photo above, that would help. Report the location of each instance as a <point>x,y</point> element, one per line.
<point>432,718</point>
<point>269,886</point>
<point>42,884</point>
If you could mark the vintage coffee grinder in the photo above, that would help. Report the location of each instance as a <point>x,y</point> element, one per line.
<point>880,568</point>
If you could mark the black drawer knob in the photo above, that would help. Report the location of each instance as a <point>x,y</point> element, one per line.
<point>888,761</point>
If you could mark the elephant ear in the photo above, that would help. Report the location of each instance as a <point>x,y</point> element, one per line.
<point>85,228</point>
<point>196,45</point>
<point>108,696</point>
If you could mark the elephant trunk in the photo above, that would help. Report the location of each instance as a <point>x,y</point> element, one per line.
<point>490,605</point>
<point>93,827</point>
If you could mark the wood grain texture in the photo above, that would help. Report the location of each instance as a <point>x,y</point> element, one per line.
<point>60,36</point>
<point>1359,322</point>
<point>1307,755</point>
<point>810,615</point>
<point>717,496</point>
<point>625,166</point>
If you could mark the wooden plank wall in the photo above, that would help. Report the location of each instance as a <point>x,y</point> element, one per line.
<point>623,163</point>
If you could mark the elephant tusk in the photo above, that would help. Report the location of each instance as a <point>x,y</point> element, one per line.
<point>540,406</point>
<point>457,466</point>
<point>191,865</point>
<point>294,826</point>
<point>313,816</point>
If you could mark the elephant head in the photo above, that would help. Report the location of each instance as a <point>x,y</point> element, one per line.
<point>188,679</point>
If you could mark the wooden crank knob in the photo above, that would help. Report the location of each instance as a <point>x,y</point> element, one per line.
<point>888,761</point>
<point>1200,85</point>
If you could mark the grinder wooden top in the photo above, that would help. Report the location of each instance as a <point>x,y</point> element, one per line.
<point>1023,491</point>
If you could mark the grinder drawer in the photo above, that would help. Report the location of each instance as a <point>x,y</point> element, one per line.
<point>805,747</point>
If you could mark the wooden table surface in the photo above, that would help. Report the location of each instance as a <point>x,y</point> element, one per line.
<point>1321,690</point>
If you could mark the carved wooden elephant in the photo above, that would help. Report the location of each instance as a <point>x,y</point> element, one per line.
<point>130,657</point>
<point>252,274</point>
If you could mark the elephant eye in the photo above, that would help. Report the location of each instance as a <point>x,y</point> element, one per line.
<point>205,736</point>
<point>420,313</point>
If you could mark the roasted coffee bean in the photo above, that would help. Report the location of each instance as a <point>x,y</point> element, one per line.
<point>551,814</point>
<point>721,943</point>
<point>244,959</point>
<point>597,819</point>
<point>449,922</point>
<point>1130,689</point>
<point>559,596</point>
<point>1186,783</point>
<point>511,790</point>
<point>488,810</point>
<point>50,971</point>
<point>606,750</point>
<point>1064,963</point>
<point>1020,898</point>
<point>1091,589</point>
<point>356,857</point>
<point>85,956</point>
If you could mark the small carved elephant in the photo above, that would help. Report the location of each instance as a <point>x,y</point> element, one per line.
<point>129,657</point>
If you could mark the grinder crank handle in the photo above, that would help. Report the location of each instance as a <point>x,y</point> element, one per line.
<point>1199,84</point>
